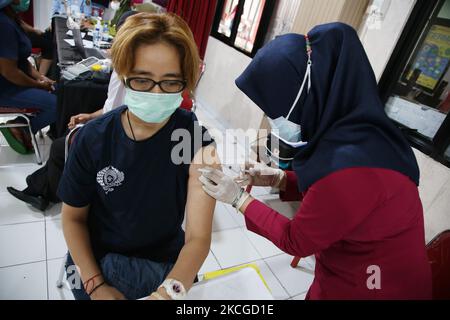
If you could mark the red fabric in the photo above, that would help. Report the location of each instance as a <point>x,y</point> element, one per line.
<point>351,220</point>
<point>8,110</point>
<point>199,14</point>
<point>291,193</point>
<point>187,102</point>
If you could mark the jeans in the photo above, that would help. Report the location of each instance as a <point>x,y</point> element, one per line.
<point>134,278</point>
<point>22,97</point>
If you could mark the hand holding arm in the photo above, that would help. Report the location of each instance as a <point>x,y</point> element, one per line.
<point>261,175</point>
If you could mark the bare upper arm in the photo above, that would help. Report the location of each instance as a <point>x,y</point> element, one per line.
<point>70,213</point>
<point>200,206</point>
<point>7,65</point>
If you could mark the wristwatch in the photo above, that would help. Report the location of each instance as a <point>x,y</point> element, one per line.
<point>174,288</point>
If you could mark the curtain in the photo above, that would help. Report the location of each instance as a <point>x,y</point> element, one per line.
<point>199,14</point>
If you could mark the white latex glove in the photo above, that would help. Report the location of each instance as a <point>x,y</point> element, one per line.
<point>220,186</point>
<point>260,175</point>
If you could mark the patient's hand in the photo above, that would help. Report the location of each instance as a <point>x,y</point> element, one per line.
<point>106,292</point>
<point>79,118</point>
<point>160,294</point>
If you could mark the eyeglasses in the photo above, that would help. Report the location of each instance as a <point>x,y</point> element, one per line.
<point>145,85</point>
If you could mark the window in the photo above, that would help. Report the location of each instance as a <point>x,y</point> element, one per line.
<point>416,82</point>
<point>243,24</point>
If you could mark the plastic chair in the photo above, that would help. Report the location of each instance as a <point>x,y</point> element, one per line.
<point>24,114</point>
<point>438,251</point>
<point>35,56</point>
<point>69,139</point>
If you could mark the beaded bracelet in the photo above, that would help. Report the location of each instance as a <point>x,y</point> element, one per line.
<point>88,281</point>
<point>92,291</point>
<point>308,47</point>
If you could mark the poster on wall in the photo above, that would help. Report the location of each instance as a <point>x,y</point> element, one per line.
<point>433,58</point>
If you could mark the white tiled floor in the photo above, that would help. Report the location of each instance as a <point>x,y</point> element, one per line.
<point>32,245</point>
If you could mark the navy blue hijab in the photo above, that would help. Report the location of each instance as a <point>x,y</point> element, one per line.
<point>342,117</point>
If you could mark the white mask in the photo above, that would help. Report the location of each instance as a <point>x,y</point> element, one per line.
<point>288,131</point>
<point>115,5</point>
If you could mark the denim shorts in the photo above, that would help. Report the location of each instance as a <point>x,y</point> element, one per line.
<point>135,278</point>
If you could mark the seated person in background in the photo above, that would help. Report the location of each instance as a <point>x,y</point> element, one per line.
<point>39,39</point>
<point>86,8</point>
<point>21,85</point>
<point>44,41</point>
<point>61,6</point>
<point>126,187</point>
<point>43,183</point>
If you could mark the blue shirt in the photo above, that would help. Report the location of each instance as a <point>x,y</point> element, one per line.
<point>58,7</point>
<point>14,45</point>
<point>137,194</point>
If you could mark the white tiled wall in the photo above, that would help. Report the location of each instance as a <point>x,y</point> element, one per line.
<point>42,11</point>
<point>380,43</point>
<point>218,93</point>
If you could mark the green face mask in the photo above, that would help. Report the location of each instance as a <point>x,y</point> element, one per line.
<point>23,6</point>
<point>152,107</point>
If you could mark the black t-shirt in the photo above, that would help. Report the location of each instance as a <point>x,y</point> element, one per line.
<point>136,192</point>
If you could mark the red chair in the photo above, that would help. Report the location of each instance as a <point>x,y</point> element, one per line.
<point>438,251</point>
<point>24,114</point>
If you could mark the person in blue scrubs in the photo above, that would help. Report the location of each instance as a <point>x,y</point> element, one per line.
<point>21,85</point>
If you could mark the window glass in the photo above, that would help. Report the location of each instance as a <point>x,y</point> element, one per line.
<point>421,99</point>
<point>228,16</point>
<point>249,24</point>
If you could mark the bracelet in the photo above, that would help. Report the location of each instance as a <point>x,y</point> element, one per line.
<point>86,283</point>
<point>89,294</point>
<point>242,201</point>
<point>235,202</point>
